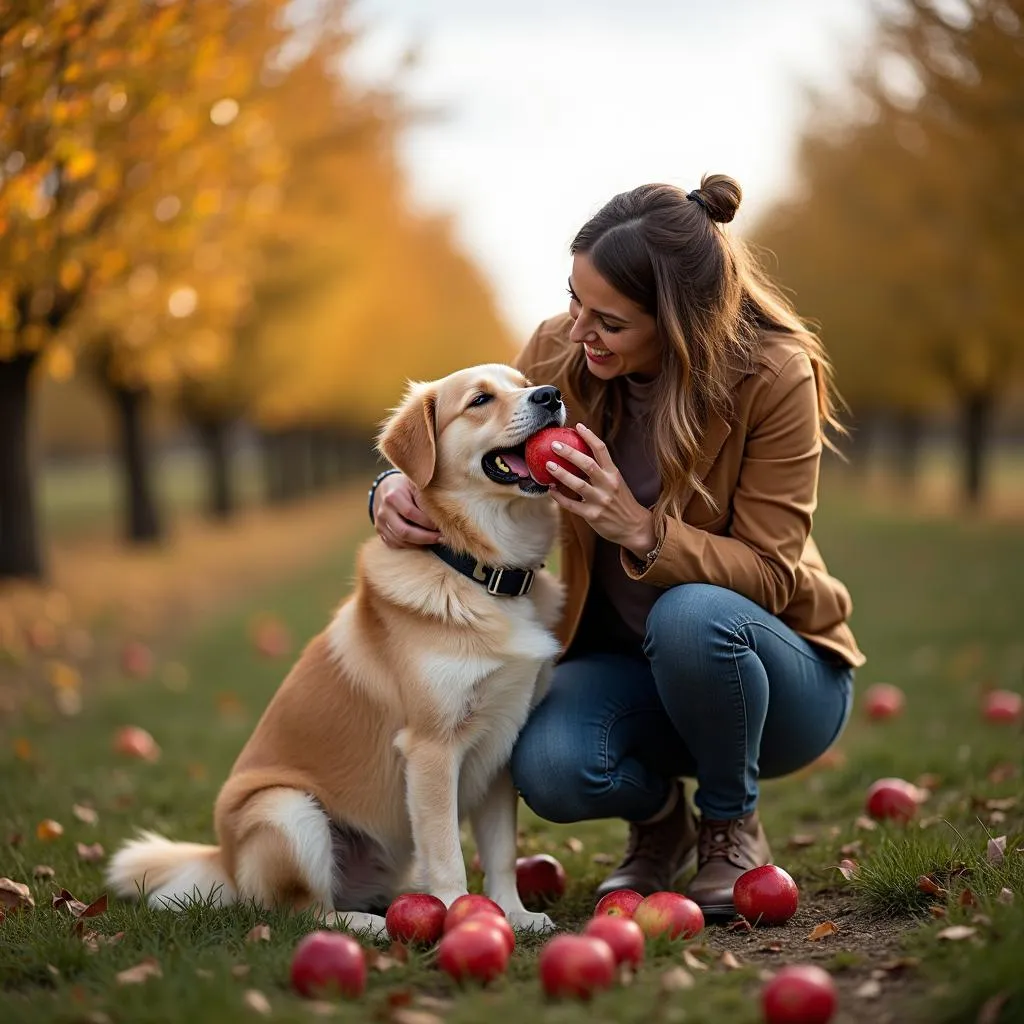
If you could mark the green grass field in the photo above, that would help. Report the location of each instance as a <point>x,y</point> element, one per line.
<point>938,611</point>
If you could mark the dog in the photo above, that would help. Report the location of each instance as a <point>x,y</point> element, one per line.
<point>398,720</point>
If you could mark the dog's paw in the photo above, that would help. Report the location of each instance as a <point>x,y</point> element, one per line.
<point>356,921</point>
<point>527,921</point>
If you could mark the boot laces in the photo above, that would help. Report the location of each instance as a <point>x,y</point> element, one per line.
<point>718,839</point>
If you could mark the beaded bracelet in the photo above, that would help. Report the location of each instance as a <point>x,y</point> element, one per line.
<point>373,489</point>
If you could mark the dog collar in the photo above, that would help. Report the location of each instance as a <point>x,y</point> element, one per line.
<point>500,582</point>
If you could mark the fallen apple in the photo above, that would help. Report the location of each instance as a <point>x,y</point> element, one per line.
<point>622,934</point>
<point>621,903</point>
<point>133,741</point>
<point>467,904</point>
<point>883,700</point>
<point>894,799</point>
<point>416,917</point>
<point>1003,706</point>
<point>539,452</point>
<point>326,962</point>
<point>475,949</point>
<point>494,921</point>
<point>799,994</point>
<point>766,895</point>
<point>576,965</point>
<point>136,659</point>
<point>540,879</point>
<point>668,913</point>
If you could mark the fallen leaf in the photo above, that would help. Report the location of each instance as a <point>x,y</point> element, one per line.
<point>149,968</point>
<point>434,1003</point>
<point>740,924</point>
<point>981,919</point>
<point>258,933</point>
<point>94,940</point>
<point>603,858</point>
<point>675,979</point>
<point>937,910</point>
<point>98,1017</point>
<point>851,849</point>
<point>967,898</point>
<point>65,901</point>
<point>574,845</point>
<point>43,871</point>
<point>692,962</point>
<point>240,970</point>
<point>957,932</point>
<point>901,963</point>
<point>49,829</point>
<point>929,780</point>
<point>256,1001</point>
<point>772,947</point>
<point>801,839</point>
<point>1003,804</point>
<point>85,814</point>
<point>626,974</point>
<point>870,989</point>
<point>409,1016</point>
<point>90,852</point>
<point>996,853</point>
<point>865,823</point>
<point>992,1008</point>
<point>54,971</point>
<point>996,818</point>
<point>15,895</point>
<point>321,1008</point>
<point>848,868</point>
<point>383,962</point>
<point>1003,772</point>
<point>822,931</point>
<point>23,749</point>
<point>1005,895</point>
<point>729,961</point>
<point>926,883</point>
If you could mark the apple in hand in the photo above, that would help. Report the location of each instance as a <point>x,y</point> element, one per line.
<point>766,895</point>
<point>621,903</point>
<point>622,934</point>
<point>883,700</point>
<point>895,799</point>
<point>325,962</point>
<point>539,452</point>
<point>475,949</point>
<point>540,879</point>
<point>416,917</point>
<point>576,965</point>
<point>467,904</point>
<point>669,913</point>
<point>1003,706</point>
<point>799,994</point>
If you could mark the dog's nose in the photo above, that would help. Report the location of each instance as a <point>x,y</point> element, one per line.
<point>548,396</point>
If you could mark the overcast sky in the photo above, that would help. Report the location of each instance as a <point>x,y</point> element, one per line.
<point>553,106</point>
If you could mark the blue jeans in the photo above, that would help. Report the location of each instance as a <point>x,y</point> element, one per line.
<point>722,691</point>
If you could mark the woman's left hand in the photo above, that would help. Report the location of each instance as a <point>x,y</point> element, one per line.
<point>608,504</point>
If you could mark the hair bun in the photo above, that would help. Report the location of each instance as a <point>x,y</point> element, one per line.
<point>721,195</point>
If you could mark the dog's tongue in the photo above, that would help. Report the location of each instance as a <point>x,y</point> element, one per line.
<point>516,463</point>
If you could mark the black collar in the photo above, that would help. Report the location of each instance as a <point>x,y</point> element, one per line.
<point>500,582</point>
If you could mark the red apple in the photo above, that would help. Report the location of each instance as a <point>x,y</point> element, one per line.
<point>540,879</point>
<point>1003,706</point>
<point>132,741</point>
<point>799,994</point>
<point>136,659</point>
<point>883,700</point>
<point>475,949</point>
<point>467,904</point>
<point>416,917</point>
<point>668,913</point>
<point>576,965</point>
<point>539,452</point>
<point>621,902</point>
<point>494,921</point>
<point>622,934</point>
<point>328,961</point>
<point>766,895</point>
<point>892,798</point>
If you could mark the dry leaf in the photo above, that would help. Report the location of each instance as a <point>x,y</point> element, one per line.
<point>848,868</point>
<point>240,970</point>
<point>434,1003</point>
<point>996,850</point>
<point>23,749</point>
<point>1005,895</point>
<point>866,823</point>
<point>996,818</point>
<point>967,898</point>
<point>675,979</point>
<point>982,919</point>
<point>403,1015</point>
<point>203,972</point>
<point>1003,772</point>
<point>937,910</point>
<point>49,829</point>
<point>851,849</point>
<point>772,947</point>
<point>957,932</point>
<point>258,933</point>
<point>870,989</point>
<point>43,871</point>
<point>321,1008</point>
<point>692,962</point>
<point>822,931</point>
<point>729,961</point>
<point>929,780</point>
<point>992,1008</point>
<point>574,845</point>
<point>90,852</point>
<point>901,963</point>
<point>926,883</point>
<point>383,962</point>
<point>86,815</point>
<point>741,924</point>
<point>801,839</point>
<point>149,968</point>
<point>256,1001</point>
<point>65,901</point>
<point>1003,804</point>
<point>15,895</point>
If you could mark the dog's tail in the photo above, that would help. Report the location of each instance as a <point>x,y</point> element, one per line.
<point>169,874</point>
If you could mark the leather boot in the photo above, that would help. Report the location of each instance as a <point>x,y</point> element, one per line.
<point>725,850</point>
<point>659,851</point>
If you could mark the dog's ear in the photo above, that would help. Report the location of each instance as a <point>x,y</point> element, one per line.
<point>409,438</point>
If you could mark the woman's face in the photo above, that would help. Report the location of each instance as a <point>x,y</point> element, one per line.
<point>617,335</point>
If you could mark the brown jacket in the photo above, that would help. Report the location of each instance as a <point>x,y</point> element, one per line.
<point>761,467</point>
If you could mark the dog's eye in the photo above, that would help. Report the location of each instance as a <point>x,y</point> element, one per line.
<point>481,399</point>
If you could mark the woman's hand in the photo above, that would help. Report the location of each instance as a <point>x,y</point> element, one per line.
<point>608,504</point>
<point>397,517</point>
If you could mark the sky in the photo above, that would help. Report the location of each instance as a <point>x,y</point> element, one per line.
<point>550,107</point>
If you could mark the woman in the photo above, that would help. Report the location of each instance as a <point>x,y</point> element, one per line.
<point>703,636</point>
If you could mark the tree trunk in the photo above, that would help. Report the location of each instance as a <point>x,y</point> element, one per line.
<point>214,435</point>
<point>273,468</point>
<point>976,425</point>
<point>320,454</point>
<point>142,524</point>
<point>20,550</point>
<point>909,432</point>
<point>295,463</point>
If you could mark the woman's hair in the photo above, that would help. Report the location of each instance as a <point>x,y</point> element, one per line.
<point>664,250</point>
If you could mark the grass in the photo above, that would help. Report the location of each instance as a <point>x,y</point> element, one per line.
<point>938,611</point>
